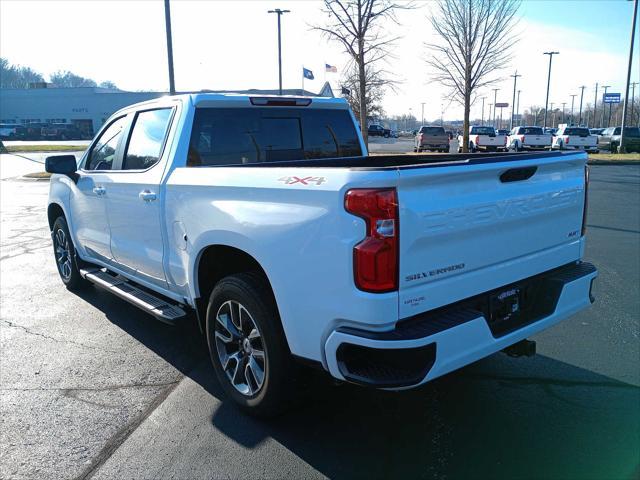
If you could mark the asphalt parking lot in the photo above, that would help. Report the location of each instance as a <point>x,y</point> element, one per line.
<point>90,387</point>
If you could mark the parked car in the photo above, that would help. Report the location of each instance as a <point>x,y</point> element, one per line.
<point>574,138</point>
<point>484,138</point>
<point>431,138</point>
<point>609,139</point>
<point>550,131</point>
<point>11,131</point>
<point>292,244</point>
<point>61,131</point>
<point>394,134</point>
<point>503,131</point>
<point>596,131</point>
<point>377,130</point>
<point>33,131</point>
<point>528,138</point>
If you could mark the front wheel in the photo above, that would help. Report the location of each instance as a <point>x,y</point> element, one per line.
<point>247,345</point>
<point>65,255</point>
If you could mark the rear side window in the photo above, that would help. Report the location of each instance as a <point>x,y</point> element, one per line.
<point>104,150</point>
<point>147,139</point>
<point>232,136</point>
<point>432,130</point>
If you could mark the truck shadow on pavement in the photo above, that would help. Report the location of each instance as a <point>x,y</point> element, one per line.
<point>501,417</point>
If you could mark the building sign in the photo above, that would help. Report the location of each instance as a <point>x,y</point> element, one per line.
<point>502,105</point>
<point>611,98</point>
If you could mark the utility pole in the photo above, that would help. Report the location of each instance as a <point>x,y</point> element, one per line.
<point>622,148</point>
<point>279,12</point>
<point>495,100</point>
<point>167,25</point>
<point>595,109</point>
<point>422,113</point>
<point>603,105</point>
<point>482,121</point>
<point>546,103</point>
<point>489,116</point>
<point>633,101</point>
<point>553,122</point>
<point>513,103</point>
<point>581,95</point>
<point>518,109</point>
<point>563,106</point>
<point>573,99</point>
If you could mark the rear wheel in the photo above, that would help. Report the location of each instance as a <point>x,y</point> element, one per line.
<point>247,345</point>
<point>65,255</point>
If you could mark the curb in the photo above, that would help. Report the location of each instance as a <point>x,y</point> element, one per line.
<point>613,162</point>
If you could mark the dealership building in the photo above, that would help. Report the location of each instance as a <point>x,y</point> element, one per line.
<point>86,107</point>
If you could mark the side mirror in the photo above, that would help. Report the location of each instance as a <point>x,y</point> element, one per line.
<point>62,164</point>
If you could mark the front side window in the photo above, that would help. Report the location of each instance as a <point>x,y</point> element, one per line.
<point>147,139</point>
<point>232,136</point>
<point>104,150</point>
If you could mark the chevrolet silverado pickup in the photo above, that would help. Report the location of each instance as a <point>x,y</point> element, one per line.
<point>264,219</point>
<point>432,138</point>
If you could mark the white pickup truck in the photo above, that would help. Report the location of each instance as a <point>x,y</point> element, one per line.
<point>264,218</point>
<point>528,138</point>
<point>574,138</point>
<point>483,138</point>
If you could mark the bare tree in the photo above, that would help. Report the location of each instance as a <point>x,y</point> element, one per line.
<point>359,26</point>
<point>375,84</point>
<point>475,38</point>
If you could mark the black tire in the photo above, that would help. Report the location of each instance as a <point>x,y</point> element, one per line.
<point>277,390</point>
<point>613,147</point>
<point>472,148</point>
<point>65,255</point>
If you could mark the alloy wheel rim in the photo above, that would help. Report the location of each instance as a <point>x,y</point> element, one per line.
<point>63,257</point>
<point>240,348</point>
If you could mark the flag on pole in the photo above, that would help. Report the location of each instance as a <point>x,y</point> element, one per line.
<point>308,74</point>
<point>330,68</point>
<point>346,91</point>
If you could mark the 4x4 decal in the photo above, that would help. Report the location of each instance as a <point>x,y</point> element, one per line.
<point>303,181</point>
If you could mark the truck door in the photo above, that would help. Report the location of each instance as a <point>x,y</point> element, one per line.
<point>133,201</point>
<point>88,198</point>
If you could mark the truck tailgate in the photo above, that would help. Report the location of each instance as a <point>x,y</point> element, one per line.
<point>470,228</point>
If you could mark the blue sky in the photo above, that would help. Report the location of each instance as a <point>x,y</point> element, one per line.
<point>233,45</point>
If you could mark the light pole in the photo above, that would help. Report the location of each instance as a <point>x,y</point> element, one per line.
<point>621,148</point>
<point>495,99</point>
<point>482,121</point>
<point>553,121</point>
<point>603,105</point>
<point>422,112</point>
<point>595,108</point>
<point>518,109</point>
<point>279,12</point>
<point>573,99</point>
<point>563,106</point>
<point>167,25</point>
<point>546,103</point>
<point>633,101</point>
<point>513,102</point>
<point>580,114</point>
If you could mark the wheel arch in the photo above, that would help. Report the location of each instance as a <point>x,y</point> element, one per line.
<point>54,210</point>
<point>215,262</point>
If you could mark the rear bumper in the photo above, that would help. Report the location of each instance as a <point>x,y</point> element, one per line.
<point>435,343</point>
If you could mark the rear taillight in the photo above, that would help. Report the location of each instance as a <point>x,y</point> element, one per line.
<point>375,258</point>
<point>477,140</point>
<point>586,199</point>
<point>522,138</point>
<point>566,140</point>
<point>420,137</point>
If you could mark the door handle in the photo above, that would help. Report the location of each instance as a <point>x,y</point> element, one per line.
<point>147,195</point>
<point>99,190</point>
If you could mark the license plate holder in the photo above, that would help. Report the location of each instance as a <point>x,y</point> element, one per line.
<point>505,305</point>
